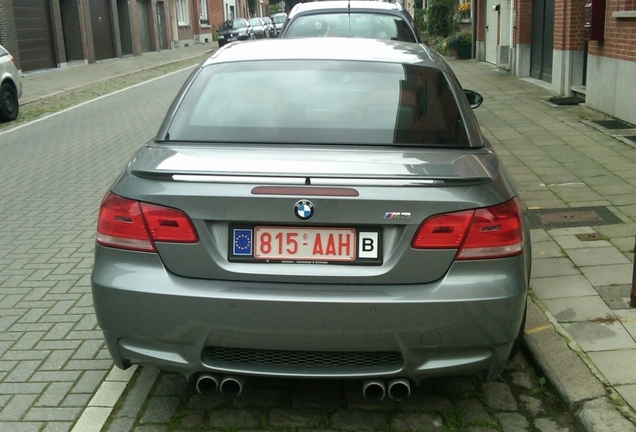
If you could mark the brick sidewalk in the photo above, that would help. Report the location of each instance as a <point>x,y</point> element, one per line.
<point>45,84</point>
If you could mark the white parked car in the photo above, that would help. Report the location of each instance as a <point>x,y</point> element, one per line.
<point>10,87</point>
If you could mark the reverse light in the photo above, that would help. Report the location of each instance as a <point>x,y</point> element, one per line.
<point>133,225</point>
<point>491,232</point>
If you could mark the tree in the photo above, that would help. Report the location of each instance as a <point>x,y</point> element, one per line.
<point>439,18</point>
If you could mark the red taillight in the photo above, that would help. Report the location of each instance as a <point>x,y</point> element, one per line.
<point>129,224</point>
<point>15,63</point>
<point>493,232</point>
<point>168,225</point>
<point>444,231</point>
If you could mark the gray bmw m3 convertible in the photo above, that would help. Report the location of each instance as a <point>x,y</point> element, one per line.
<point>315,208</point>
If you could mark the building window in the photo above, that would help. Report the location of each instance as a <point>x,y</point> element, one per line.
<point>183,12</point>
<point>203,18</point>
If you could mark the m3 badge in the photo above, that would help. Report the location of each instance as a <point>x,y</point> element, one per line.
<point>397,215</point>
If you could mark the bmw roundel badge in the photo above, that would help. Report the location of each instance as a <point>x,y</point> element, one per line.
<point>304,210</point>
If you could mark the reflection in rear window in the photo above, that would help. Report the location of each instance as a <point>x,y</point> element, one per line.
<point>327,102</point>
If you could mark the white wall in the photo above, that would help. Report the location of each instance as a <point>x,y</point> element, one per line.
<point>610,87</point>
<point>567,71</point>
<point>522,60</point>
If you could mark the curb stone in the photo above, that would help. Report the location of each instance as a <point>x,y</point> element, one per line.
<point>572,377</point>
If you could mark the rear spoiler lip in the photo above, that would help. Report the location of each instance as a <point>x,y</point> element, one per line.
<point>309,181</point>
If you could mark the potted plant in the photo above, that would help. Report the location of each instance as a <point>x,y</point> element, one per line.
<point>462,43</point>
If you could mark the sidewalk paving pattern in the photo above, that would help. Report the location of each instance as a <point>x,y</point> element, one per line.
<point>580,327</point>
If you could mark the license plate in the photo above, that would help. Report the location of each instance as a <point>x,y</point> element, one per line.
<point>305,245</point>
<point>325,244</point>
<point>232,39</point>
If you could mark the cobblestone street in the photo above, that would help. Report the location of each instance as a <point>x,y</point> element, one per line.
<point>520,401</point>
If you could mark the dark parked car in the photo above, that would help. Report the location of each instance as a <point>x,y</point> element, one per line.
<point>279,20</point>
<point>271,27</point>
<point>259,27</point>
<point>348,220</point>
<point>10,87</point>
<point>356,19</point>
<point>236,29</point>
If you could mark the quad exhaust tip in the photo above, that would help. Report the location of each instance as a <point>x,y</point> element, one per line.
<point>207,384</point>
<point>231,386</point>
<point>375,390</point>
<point>399,389</point>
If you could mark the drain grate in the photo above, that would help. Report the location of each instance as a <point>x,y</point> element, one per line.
<point>613,124</point>
<point>564,101</point>
<point>571,217</point>
<point>590,237</point>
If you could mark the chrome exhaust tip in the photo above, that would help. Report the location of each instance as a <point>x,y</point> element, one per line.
<point>231,386</point>
<point>207,384</point>
<point>373,390</point>
<point>399,389</point>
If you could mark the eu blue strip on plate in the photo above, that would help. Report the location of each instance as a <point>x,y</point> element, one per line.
<point>242,242</point>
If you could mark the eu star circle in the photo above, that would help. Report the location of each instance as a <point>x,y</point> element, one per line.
<point>304,210</point>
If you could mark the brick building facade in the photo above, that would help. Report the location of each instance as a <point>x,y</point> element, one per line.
<point>44,34</point>
<point>546,40</point>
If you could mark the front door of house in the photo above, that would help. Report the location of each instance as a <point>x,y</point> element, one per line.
<point>542,40</point>
<point>492,30</point>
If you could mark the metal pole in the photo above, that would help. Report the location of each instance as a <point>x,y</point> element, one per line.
<point>632,297</point>
<point>473,21</point>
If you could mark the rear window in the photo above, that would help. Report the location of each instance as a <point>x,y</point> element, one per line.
<point>351,25</point>
<point>324,102</point>
<point>279,18</point>
<point>233,24</point>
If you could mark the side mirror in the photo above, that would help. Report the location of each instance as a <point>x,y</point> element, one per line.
<point>474,98</point>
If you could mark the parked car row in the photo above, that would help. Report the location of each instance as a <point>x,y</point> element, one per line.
<point>240,29</point>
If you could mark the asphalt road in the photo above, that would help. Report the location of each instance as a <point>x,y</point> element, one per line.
<point>53,174</point>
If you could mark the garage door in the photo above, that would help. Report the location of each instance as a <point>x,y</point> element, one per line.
<point>35,34</point>
<point>102,26</point>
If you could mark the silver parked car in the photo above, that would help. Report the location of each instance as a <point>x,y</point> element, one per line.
<point>279,21</point>
<point>353,19</point>
<point>10,87</point>
<point>350,221</point>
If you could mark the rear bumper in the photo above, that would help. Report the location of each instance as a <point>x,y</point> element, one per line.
<point>463,323</point>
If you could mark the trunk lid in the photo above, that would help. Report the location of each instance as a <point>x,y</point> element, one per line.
<point>375,197</point>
